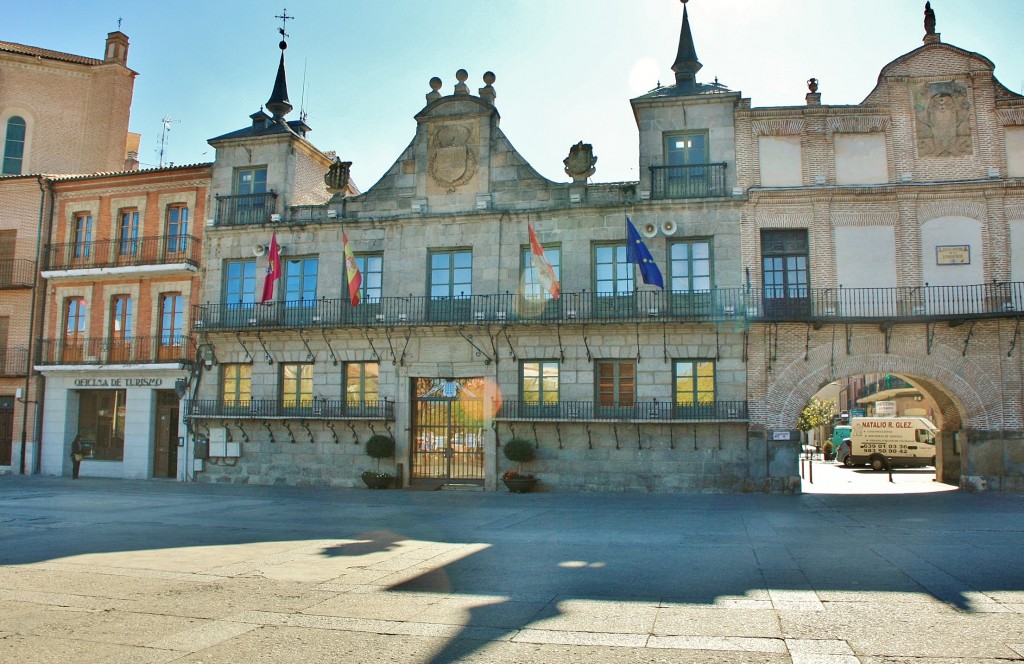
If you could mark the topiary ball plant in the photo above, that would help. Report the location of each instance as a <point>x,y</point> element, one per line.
<point>380,447</point>
<point>520,451</point>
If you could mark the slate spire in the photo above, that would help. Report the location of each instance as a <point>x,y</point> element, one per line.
<point>686,65</point>
<point>278,103</point>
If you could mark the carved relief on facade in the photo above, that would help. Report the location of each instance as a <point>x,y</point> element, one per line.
<point>943,114</point>
<point>451,158</point>
<point>579,165</point>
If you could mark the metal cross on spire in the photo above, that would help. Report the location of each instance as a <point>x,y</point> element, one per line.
<point>284,23</point>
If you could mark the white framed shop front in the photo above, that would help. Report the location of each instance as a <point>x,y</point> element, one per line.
<point>128,419</point>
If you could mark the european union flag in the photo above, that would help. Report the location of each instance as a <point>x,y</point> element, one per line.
<point>637,252</point>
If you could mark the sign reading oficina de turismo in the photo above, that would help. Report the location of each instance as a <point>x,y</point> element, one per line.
<point>119,382</point>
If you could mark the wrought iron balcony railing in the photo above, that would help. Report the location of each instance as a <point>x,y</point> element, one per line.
<point>165,249</point>
<point>907,303</point>
<point>132,350</point>
<point>304,409</point>
<point>476,309</point>
<point>17,273</point>
<point>13,361</point>
<point>641,411</point>
<point>245,210</point>
<point>691,181</point>
<point>927,303</point>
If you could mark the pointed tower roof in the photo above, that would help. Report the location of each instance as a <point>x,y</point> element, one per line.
<point>278,103</point>
<point>686,65</point>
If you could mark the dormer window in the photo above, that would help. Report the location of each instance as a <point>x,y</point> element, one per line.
<point>260,120</point>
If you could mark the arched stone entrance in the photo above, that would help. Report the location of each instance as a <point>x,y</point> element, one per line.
<point>967,393</point>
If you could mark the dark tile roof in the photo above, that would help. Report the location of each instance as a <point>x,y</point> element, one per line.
<point>674,91</point>
<point>295,128</point>
<point>36,52</point>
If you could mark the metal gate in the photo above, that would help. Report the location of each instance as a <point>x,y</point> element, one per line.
<point>448,430</point>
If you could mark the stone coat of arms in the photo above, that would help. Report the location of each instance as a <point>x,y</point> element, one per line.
<point>452,162</point>
<point>579,165</point>
<point>943,120</point>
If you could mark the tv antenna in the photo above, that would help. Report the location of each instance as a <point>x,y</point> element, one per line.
<point>164,137</point>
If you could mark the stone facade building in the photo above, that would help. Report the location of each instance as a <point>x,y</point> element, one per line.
<point>453,342</point>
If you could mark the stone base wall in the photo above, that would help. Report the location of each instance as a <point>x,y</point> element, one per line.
<point>701,458</point>
<point>993,461</point>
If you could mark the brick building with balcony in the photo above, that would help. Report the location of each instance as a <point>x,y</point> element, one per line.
<point>46,99</point>
<point>122,269</point>
<point>887,237</point>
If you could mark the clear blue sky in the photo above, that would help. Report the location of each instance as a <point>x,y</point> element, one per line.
<point>566,69</point>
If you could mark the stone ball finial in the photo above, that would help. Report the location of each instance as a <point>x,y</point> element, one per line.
<point>435,85</point>
<point>461,88</point>
<point>282,45</point>
<point>487,92</point>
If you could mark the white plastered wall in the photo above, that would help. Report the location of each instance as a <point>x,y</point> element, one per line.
<point>860,158</point>
<point>780,161</point>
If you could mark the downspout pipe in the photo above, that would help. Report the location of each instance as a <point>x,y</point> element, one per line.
<point>44,184</point>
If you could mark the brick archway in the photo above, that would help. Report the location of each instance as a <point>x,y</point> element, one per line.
<point>956,384</point>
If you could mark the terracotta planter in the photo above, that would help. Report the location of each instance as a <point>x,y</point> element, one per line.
<point>520,484</point>
<point>378,482</point>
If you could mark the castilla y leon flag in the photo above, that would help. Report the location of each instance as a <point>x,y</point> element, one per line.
<point>545,273</point>
<point>273,270</point>
<point>352,275</point>
<point>637,252</point>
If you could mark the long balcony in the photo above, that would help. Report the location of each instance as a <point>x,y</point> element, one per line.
<point>161,250</point>
<point>641,411</point>
<point>13,361</point>
<point>910,303</point>
<point>17,273</point>
<point>476,309</point>
<point>691,181</point>
<point>245,210</point>
<point>820,305</point>
<point>133,350</point>
<point>306,409</point>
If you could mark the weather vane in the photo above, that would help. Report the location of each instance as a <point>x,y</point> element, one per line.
<point>284,23</point>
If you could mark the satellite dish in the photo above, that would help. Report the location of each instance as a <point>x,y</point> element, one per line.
<point>258,250</point>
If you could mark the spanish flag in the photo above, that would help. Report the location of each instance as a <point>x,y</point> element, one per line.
<point>273,270</point>
<point>352,275</point>
<point>545,273</point>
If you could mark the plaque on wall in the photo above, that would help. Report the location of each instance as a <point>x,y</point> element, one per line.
<point>953,254</point>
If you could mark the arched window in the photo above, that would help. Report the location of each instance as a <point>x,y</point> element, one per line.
<point>14,146</point>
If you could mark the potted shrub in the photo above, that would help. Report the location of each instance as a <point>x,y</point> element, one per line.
<point>828,450</point>
<point>379,447</point>
<point>520,451</point>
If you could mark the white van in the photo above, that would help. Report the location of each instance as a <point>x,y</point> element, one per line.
<point>898,441</point>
